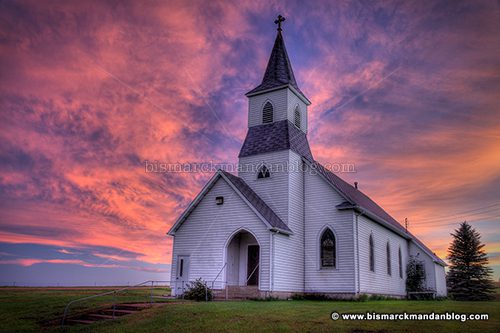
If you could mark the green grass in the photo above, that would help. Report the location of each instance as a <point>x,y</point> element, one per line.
<point>24,310</point>
<point>30,309</point>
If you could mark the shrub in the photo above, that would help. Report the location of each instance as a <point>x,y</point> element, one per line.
<point>198,291</point>
<point>415,275</point>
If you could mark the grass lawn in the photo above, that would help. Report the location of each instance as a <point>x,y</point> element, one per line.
<point>26,309</point>
<point>29,309</point>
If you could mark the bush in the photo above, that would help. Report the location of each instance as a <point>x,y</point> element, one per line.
<point>198,291</point>
<point>415,275</point>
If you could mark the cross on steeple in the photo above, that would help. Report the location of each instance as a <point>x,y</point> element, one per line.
<point>278,21</point>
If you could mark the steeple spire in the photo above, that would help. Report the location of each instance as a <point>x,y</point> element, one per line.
<point>279,72</point>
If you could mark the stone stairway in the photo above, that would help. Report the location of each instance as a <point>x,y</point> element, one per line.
<point>237,293</point>
<point>107,313</point>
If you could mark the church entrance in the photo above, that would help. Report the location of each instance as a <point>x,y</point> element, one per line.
<point>243,260</point>
<point>253,265</point>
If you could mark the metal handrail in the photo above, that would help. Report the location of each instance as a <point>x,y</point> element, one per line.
<point>225,264</point>
<point>213,281</point>
<point>257,266</point>
<point>66,309</point>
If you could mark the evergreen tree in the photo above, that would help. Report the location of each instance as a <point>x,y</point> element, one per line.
<point>469,277</point>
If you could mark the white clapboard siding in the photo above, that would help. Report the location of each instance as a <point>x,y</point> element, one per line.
<point>284,102</point>
<point>320,212</point>
<point>207,230</point>
<point>273,190</point>
<point>430,271</point>
<point>379,282</point>
<point>440,280</point>
<point>279,100</point>
<point>293,102</point>
<point>289,250</point>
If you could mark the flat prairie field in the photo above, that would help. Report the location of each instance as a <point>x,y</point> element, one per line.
<point>40,309</point>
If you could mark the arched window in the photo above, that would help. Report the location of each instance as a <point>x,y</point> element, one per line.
<point>371,254</point>
<point>267,113</point>
<point>297,117</point>
<point>327,248</point>
<point>388,250</point>
<point>263,172</point>
<point>400,262</point>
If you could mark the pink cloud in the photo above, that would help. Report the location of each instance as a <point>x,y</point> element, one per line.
<point>90,91</point>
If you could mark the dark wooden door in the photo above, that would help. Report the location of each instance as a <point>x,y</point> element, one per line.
<point>252,265</point>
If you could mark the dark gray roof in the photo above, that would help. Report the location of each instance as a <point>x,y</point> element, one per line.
<point>276,136</point>
<point>257,202</point>
<point>279,69</point>
<point>356,198</point>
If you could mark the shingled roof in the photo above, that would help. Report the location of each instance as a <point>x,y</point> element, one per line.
<point>257,202</point>
<point>276,136</point>
<point>279,70</point>
<point>260,207</point>
<point>358,200</point>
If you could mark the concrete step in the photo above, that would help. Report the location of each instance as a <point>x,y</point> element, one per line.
<point>239,292</point>
<point>107,313</point>
<point>80,321</point>
<point>98,316</point>
<point>132,306</point>
<point>117,312</point>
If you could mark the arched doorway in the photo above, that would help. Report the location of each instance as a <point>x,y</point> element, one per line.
<point>243,260</point>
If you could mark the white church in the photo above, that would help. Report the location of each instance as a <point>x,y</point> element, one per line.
<point>285,224</point>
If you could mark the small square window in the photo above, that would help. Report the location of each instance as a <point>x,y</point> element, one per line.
<point>219,200</point>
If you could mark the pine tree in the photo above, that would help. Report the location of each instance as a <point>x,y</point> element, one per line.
<point>469,277</point>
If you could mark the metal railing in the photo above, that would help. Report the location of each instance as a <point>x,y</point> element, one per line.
<point>253,272</point>
<point>213,282</point>
<point>150,283</point>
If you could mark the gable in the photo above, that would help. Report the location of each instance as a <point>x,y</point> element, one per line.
<point>245,193</point>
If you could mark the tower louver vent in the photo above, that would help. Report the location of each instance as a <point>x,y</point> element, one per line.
<point>297,117</point>
<point>267,113</point>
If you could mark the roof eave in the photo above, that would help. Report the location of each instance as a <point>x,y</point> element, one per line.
<point>287,85</point>
<point>429,253</point>
<point>342,194</point>
<point>381,221</point>
<point>193,204</point>
<point>259,215</point>
<point>282,231</point>
<point>202,193</point>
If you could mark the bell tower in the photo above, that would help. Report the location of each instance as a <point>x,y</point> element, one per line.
<point>278,97</point>
<point>276,140</point>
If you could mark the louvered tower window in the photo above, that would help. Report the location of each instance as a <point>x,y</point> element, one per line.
<point>267,113</point>
<point>297,117</point>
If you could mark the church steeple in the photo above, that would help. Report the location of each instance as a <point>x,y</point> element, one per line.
<point>277,110</point>
<point>279,72</point>
<point>276,146</point>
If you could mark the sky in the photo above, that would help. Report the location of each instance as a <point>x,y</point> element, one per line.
<point>409,92</point>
